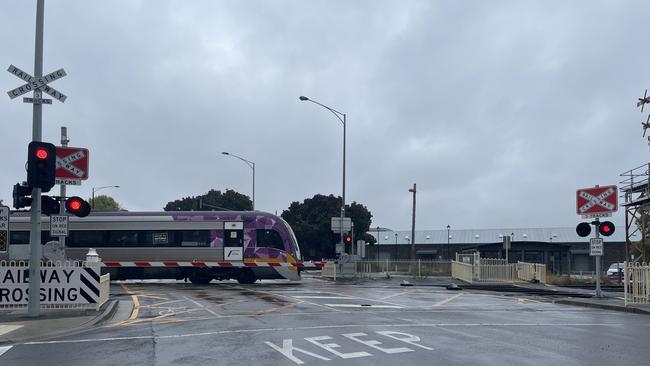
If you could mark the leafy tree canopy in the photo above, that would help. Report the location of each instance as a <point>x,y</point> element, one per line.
<point>104,203</point>
<point>311,222</point>
<point>214,200</point>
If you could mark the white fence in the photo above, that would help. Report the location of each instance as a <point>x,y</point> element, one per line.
<point>472,268</point>
<point>636,283</point>
<point>531,271</point>
<point>64,285</point>
<point>462,271</point>
<point>417,268</point>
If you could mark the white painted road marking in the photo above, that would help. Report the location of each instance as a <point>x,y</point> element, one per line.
<point>4,329</point>
<point>201,306</point>
<point>448,300</point>
<point>4,349</point>
<point>323,297</point>
<point>405,325</point>
<point>362,306</point>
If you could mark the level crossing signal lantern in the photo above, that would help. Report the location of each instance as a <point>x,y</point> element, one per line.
<point>21,196</point>
<point>77,206</point>
<point>347,239</point>
<point>41,165</point>
<point>605,228</point>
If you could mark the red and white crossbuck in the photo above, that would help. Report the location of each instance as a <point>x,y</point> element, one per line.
<point>597,201</point>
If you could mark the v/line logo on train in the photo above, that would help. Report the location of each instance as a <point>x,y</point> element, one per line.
<point>194,236</point>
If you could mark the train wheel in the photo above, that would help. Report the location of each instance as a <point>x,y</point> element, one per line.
<point>246,277</point>
<point>200,278</point>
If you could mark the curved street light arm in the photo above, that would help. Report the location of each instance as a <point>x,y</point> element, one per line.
<point>334,111</point>
<point>248,162</point>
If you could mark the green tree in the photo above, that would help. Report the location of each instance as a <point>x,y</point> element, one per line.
<point>311,222</point>
<point>104,203</point>
<point>213,200</point>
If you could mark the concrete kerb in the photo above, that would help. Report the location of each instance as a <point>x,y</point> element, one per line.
<point>41,333</point>
<point>593,304</point>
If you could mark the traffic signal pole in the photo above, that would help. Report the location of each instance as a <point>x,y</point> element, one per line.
<point>34,304</point>
<point>64,143</point>
<point>598,292</point>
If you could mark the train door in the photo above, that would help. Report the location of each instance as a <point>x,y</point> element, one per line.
<point>233,242</point>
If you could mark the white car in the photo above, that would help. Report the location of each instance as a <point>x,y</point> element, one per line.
<point>614,269</point>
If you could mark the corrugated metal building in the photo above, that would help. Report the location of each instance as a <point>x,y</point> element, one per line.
<point>560,248</point>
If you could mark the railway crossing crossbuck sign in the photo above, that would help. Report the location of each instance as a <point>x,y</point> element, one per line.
<point>597,201</point>
<point>71,163</point>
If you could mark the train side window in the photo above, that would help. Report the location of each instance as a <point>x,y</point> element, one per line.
<point>80,239</point>
<point>123,238</point>
<point>195,238</point>
<point>19,237</point>
<point>269,239</point>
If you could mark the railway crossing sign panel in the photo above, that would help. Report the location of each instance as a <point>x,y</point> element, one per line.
<point>597,201</point>
<point>71,163</point>
<point>37,85</point>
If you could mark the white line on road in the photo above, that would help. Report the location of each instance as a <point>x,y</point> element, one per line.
<point>323,297</point>
<point>4,329</point>
<point>448,300</point>
<point>4,349</point>
<point>201,306</point>
<point>362,326</point>
<point>365,306</point>
<point>397,294</point>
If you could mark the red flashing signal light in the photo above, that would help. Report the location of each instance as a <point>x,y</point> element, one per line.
<point>41,153</point>
<point>606,228</point>
<point>77,206</point>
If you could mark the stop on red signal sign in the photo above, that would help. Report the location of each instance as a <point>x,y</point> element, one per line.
<point>597,201</point>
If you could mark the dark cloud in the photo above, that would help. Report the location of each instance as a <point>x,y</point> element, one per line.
<point>499,111</point>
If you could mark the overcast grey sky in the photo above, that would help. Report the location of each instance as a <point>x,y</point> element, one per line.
<point>498,110</point>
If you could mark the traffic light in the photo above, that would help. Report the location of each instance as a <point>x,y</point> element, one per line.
<point>41,164</point>
<point>583,229</point>
<point>606,228</point>
<point>77,206</point>
<point>21,196</point>
<point>347,239</point>
<point>50,205</point>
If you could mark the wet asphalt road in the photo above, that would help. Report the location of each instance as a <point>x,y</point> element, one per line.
<point>321,323</point>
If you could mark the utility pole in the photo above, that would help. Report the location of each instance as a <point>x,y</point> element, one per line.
<point>36,251</point>
<point>413,225</point>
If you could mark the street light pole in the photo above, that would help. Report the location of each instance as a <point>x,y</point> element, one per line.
<point>95,189</point>
<point>251,165</point>
<point>396,251</point>
<point>448,237</point>
<point>413,225</point>
<point>343,121</point>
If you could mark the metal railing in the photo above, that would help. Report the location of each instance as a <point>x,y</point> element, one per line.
<point>496,270</point>
<point>636,283</point>
<point>417,268</point>
<point>531,272</point>
<point>462,271</point>
<point>472,268</point>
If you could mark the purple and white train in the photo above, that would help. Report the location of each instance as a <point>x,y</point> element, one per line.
<point>246,237</point>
